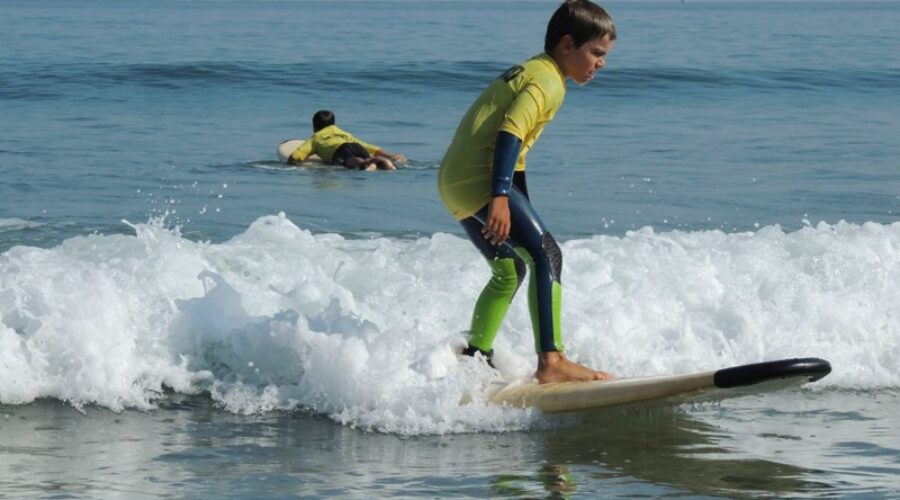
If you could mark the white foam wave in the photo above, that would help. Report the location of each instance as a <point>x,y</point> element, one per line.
<point>365,330</point>
<point>15,224</point>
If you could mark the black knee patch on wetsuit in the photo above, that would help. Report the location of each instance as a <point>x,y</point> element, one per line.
<point>554,256</point>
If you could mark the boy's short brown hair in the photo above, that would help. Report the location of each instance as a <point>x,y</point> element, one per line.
<point>322,119</point>
<point>583,20</point>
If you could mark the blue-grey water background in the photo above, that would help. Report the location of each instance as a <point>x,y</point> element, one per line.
<point>181,315</point>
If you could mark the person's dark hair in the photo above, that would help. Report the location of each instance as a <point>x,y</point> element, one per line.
<point>322,119</point>
<point>582,19</point>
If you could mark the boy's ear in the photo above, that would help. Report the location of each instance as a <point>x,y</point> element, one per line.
<point>567,44</point>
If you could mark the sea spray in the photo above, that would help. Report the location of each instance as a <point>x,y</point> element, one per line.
<point>365,330</point>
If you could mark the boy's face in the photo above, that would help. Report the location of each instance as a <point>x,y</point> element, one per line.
<point>582,63</point>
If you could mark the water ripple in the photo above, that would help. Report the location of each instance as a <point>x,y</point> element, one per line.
<point>38,81</point>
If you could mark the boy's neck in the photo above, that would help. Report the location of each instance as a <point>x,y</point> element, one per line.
<point>556,57</point>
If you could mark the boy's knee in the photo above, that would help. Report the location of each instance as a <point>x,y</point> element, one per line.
<point>547,253</point>
<point>507,274</point>
<point>521,269</point>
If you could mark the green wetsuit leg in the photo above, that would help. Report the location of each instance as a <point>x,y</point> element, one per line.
<point>529,245</point>
<point>493,303</point>
<point>537,301</point>
<point>507,274</point>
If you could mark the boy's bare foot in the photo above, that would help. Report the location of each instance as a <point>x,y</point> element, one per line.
<point>554,367</point>
<point>359,163</point>
<point>385,164</point>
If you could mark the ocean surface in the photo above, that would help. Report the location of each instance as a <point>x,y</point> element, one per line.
<point>183,316</point>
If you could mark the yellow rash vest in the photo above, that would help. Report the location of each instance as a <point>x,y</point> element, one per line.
<point>521,101</point>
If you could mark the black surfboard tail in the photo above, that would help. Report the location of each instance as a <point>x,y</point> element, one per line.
<point>811,368</point>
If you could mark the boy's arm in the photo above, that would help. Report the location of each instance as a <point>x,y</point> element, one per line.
<point>304,151</point>
<point>377,151</point>
<point>506,152</point>
<point>521,118</point>
<point>394,157</point>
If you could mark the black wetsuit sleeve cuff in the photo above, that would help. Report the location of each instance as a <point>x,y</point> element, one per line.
<point>506,152</point>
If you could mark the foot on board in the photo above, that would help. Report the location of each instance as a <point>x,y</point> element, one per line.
<point>554,367</point>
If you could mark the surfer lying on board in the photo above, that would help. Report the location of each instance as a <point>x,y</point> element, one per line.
<point>482,183</point>
<point>338,147</point>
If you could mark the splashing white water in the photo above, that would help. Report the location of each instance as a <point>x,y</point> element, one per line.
<point>365,330</point>
<point>17,224</point>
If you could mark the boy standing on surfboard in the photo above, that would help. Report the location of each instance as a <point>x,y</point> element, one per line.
<point>482,183</point>
<point>338,147</point>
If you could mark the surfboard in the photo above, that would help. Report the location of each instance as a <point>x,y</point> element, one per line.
<point>708,385</point>
<point>287,147</point>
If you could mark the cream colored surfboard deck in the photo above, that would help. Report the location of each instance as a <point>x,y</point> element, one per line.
<point>724,383</point>
<point>287,147</point>
<point>573,396</point>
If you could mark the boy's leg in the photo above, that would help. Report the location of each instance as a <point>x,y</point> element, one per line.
<point>536,246</point>
<point>544,295</point>
<point>540,251</point>
<point>383,163</point>
<point>353,155</point>
<point>359,163</point>
<point>507,273</point>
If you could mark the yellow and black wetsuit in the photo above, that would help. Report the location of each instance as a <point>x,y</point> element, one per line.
<point>492,140</point>
<point>326,142</point>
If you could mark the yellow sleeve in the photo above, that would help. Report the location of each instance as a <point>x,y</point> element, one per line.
<point>304,151</point>
<point>523,114</point>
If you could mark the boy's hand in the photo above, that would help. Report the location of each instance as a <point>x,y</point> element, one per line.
<point>398,159</point>
<point>497,226</point>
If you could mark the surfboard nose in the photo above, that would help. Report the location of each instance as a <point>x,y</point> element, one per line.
<point>811,368</point>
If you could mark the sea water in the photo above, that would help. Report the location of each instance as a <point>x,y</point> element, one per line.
<point>182,315</point>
